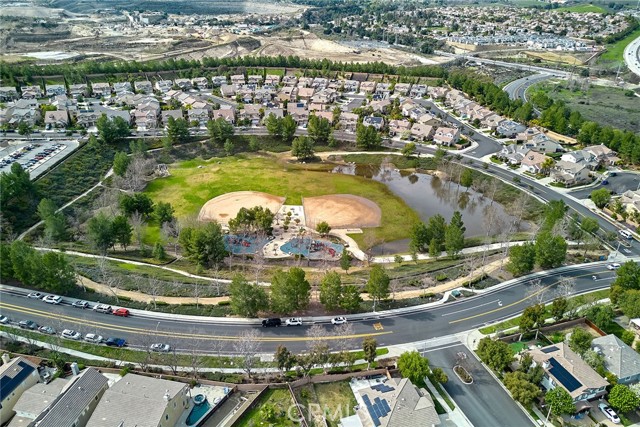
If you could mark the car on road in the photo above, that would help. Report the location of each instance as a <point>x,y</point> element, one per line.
<point>28,324</point>
<point>93,338</point>
<point>34,295</point>
<point>102,308</point>
<point>293,321</point>
<point>121,312</point>
<point>605,182</point>
<point>52,299</point>
<point>624,233</point>
<point>115,342</point>
<point>71,334</point>
<point>47,330</point>
<point>609,413</point>
<point>271,322</point>
<point>339,320</point>
<point>4,320</point>
<point>81,304</point>
<point>160,347</point>
<point>613,266</point>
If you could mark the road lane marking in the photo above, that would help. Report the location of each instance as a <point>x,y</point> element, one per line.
<point>471,308</point>
<point>378,326</point>
<point>504,307</point>
<point>129,329</point>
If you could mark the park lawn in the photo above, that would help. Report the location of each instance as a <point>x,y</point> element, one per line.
<point>281,400</point>
<point>336,400</point>
<point>192,183</point>
<point>615,52</point>
<point>582,8</point>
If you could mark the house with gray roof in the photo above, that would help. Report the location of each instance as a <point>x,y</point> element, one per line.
<point>16,376</point>
<point>35,400</point>
<point>74,406</point>
<point>619,359</point>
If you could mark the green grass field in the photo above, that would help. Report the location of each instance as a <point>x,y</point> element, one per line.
<point>278,399</point>
<point>192,183</point>
<point>615,52</point>
<point>583,8</point>
<point>335,399</point>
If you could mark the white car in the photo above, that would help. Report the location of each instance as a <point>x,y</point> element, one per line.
<point>80,304</point>
<point>339,320</point>
<point>93,338</point>
<point>609,413</point>
<point>47,330</point>
<point>293,321</point>
<point>160,347</point>
<point>71,334</point>
<point>4,320</point>
<point>613,266</point>
<point>52,299</point>
<point>36,295</point>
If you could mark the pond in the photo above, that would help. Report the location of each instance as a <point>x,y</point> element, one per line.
<point>429,195</point>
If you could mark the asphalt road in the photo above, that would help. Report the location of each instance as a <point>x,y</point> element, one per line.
<point>484,402</point>
<point>632,56</point>
<point>620,183</point>
<point>517,89</point>
<point>186,333</point>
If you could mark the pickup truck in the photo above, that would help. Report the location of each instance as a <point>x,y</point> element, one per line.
<point>116,342</point>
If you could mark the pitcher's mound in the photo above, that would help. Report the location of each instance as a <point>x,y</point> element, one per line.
<point>342,211</point>
<point>227,206</point>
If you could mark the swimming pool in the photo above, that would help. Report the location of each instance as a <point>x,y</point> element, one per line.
<point>312,248</point>
<point>198,412</point>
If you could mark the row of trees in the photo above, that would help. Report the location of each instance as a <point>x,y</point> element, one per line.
<point>436,235</point>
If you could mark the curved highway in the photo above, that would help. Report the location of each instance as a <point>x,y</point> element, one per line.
<point>632,56</point>
<point>205,334</point>
<point>517,89</point>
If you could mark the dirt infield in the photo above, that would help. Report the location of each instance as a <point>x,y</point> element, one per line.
<point>342,211</point>
<point>226,206</point>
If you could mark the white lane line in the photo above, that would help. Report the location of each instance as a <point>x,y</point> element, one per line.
<point>473,308</point>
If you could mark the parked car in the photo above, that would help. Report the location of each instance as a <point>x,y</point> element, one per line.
<point>47,330</point>
<point>93,338</point>
<point>609,413</point>
<point>274,321</point>
<point>4,320</point>
<point>28,324</point>
<point>71,334</point>
<point>115,342</point>
<point>80,304</point>
<point>160,347</point>
<point>339,320</point>
<point>102,308</point>
<point>294,321</point>
<point>121,312</point>
<point>613,266</point>
<point>625,234</point>
<point>52,299</point>
<point>34,295</point>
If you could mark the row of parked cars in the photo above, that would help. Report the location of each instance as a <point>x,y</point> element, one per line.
<point>100,308</point>
<point>296,321</point>
<point>7,160</point>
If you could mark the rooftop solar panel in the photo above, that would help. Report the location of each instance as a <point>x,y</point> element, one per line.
<point>9,384</point>
<point>549,349</point>
<point>385,405</point>
<point>566,379</point>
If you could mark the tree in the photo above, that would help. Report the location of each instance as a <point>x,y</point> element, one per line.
<point>246,299</point>
<point>319,129</point>
<point>601,314</point>
<point>345,261</point>
<point>533,317</point>
<point>284,358</point>
<point>369,348</point>
<point>437,375</point>
<point>204,245</point>
<point>409,149</point>
<point>323,228</point>
<point>589,225</point>
<point>158,252</point>
<point>560,401</point>
<point>273,124</point>
<point>112,130</point>
<point>466,178</point>
<point>229,147</point>
<point>559,308</point>
<point>378,284</point>
<point>367,137</point>
<point>138,202</point>
<point>596,361</point>
<point>623,399</point>
<point>290,291</point>
<point>456,221</point>
<point>177,131</point>
<point>351,298</point>
<point>163,212</point>
<point>121,230</point>
<point>627,277</point>
<point>24,128</point>
<point>288,128</point>
<point>551,250</point>
<point>331,291</point>
<point>247,346</point>
<point>520,388</point>
<point>19,199</point>
<point>496,354</point>
<point>55,224</point>
<point>453,240</point>
<point>58,275</point>
<point>521,259</point>
<point>253,220</point>
<point>413,366</point>
<point>600,197</point>
<point>219,130</point>
<point>120,163</point>
<point>100,232</point>
<point>630,303</point>
<point>302,148</point>
<point>580,340</point>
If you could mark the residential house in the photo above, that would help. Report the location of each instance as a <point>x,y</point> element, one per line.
<point>77,90</point>
<point>75,405</point>
<point>228,91</point>
<point>446,136</point>
<point>305,82</point>
<point>570,173</point>
<point>252,113</point>
<point>164,86</point>
<point>238,79</point>
<point>176,114</point>
<point>100,90</point>
<point>200,82</point>
<point>427,119</point>
<point>144,86</point>
<point>56,119</point>
<point>31,92</point>
<point>602,154</point>
<point>418,91</point>
<point>325,97</point>
<point>20,112</point>
<point>383,89</point>
<point>399,127</point>
<point>263,95</point>
<point>289,80</point>
<point>16,376</point>
<point>533,161</point>
<point>122,87</point>
<point>513,154</point>
<point>421,132</point>
<point>200,115</point>
<point>582,157</point>
<point>147,114</point>
<point>566,369</point>
<point>36,400</point>
<point>324,115</point>
<point>402,89</point>
<point>53,90</point>
<point>619,359</point>
<point>227,112</point>
<point>183,84</point>
<point>348,121</point>
<point>255,79</point>
<point>218,81</point>
<point>245,94</point>
<point>305,93</point>
<point>89,118</point>
<point>383,106</point>
<point>278,112</point>
<point>350,86</point>
<point>376,122</point>
<point>272,79</point>
<point>368,87</point>
<point>8,93</point>
<point>635,323</point>
<point>288,93</point>
<point>319,83</point>
<point>630,199</point>
<point>542,144</point>
<point>137,400</point>
<point>508,128</point>
<point>527,134</point>
<point>299,113</point>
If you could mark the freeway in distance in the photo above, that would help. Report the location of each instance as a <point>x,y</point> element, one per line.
<point>186,334</point>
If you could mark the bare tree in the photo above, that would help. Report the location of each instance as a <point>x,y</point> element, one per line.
<point>107,278</point>
<point>536,291</point>
<point>566,286</point>
<point>137,223</point>
<point>170,231</point>
<point>248,346</point>
<point>196,293</point>
<point>135,177</point>
<point>217,346</point>
<point>317,345</point>
<point>171,360</point>
<point>194,355</point>
<point>153,289</point>
<point>345,332</point>
<point>394,286</point>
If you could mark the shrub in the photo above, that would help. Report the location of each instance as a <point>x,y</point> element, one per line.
<point>224,303</point>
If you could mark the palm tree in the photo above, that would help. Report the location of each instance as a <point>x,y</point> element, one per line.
<point>547,165</point>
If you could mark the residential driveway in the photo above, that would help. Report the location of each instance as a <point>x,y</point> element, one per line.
<point>485,402</point>
<point>620,183</point>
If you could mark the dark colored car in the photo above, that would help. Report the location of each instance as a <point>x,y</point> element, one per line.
<point>274,321</point>
<point>28,324</point>
<point>115,342</point>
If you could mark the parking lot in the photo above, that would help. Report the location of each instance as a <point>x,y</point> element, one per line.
<point>36,156</point>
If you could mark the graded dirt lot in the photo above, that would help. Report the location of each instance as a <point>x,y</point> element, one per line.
<point>342,211</point>
<point>227,206</point>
